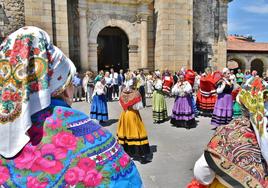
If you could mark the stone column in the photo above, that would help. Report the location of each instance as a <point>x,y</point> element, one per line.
<point>93,57</point>
<point>133,57</point>
<point>144,41</point>
<point>83,35</point>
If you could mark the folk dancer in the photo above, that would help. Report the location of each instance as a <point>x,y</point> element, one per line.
<point>182,111</point>
<point>99,108</point>
<point>159,103</point>
<point>223,110</point>
<point>206,95</point>
<point>88,85</point>
<point>131,132</point>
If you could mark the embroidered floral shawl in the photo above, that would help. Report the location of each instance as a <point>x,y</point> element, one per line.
<point>31,70</point>
<point>68,149</point>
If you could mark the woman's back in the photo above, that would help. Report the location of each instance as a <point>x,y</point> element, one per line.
<point>67,148</point>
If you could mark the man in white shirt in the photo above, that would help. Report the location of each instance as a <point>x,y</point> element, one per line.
<point>114,77</point>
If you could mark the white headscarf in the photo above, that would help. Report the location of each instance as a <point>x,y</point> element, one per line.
<point>32,70</point>
<point>225,70</point>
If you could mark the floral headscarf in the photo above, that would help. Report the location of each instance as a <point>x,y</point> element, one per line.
<point>251,97</point>
<point>32,70</point>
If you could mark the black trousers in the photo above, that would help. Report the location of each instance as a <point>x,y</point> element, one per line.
<point>116,90</point>
<point>142,92</point>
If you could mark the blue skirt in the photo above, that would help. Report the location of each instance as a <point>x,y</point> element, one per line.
<point>99,109</point>
<point>194,106</point>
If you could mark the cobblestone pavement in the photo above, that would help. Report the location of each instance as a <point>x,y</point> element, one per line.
<point>175,149</point>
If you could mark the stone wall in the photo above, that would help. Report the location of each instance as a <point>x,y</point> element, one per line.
<point>174,25</point>
<point>62,25</point>
<point>14,10</point>
<point>210,27</point>
<point>39,13</point>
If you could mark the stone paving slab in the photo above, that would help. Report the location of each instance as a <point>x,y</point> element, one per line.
<point>177,149</point>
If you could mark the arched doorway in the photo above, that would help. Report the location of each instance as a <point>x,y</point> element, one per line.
<point>112,49</point>
<point>257,65</point>
<point>235,64</point>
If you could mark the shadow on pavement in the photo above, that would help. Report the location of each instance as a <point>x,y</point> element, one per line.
<point>109,122</point>
<point>147,158</point>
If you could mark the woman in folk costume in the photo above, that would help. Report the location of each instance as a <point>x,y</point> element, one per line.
<point>167,82</point>
<point>159,103</point>
<point>99,109</point>
<point>131,132</point>
<point>182,112</point>
<point>88,85</point>
<point>223,110</point>
<point>206,95</point>
<point>237,154</point>
<point>44,142</point>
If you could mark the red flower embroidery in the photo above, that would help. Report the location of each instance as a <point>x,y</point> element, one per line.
<point>92,178</point>
<point>49,161</point>
<point>25,52</point>
<point>8,53</point>
<point>74,175</point>
<point>6,96</point>
<point>124,160</point>
<point>27,157</point>
<point>15,97</point>
<point>65,140</point>
<point>33,182</point>
<point>86,164</point>
<point>249,135</point>
<point>4,175</point>
<point>213,144</point>
<point>67,114</point>
<point>36,51</point>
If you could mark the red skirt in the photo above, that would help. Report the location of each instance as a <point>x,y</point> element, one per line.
<point>205,104</point>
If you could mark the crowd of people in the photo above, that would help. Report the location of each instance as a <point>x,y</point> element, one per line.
<point>210,94</point>
<point>46,143</point>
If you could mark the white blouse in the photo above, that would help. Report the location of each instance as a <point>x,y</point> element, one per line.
<point>99,89</point>
<point>158,84</point>
<point>181,89</point>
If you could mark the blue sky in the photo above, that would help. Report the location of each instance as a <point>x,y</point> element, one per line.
<point>249,17</point>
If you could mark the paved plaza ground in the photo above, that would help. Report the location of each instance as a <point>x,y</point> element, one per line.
<point>175,149</point>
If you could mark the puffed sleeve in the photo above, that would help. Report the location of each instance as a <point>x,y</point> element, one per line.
<point>175,90</point>
<point>220,87</point>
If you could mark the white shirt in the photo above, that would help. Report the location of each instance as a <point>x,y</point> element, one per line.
<point>114,77</point>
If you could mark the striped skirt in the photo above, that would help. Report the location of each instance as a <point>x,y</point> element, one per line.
<point>159,107</point>
<point>223,111</point>
<point>132,135</point>
<point>99,109</point>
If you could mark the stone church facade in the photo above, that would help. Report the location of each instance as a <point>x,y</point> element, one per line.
<point>150,34</point>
